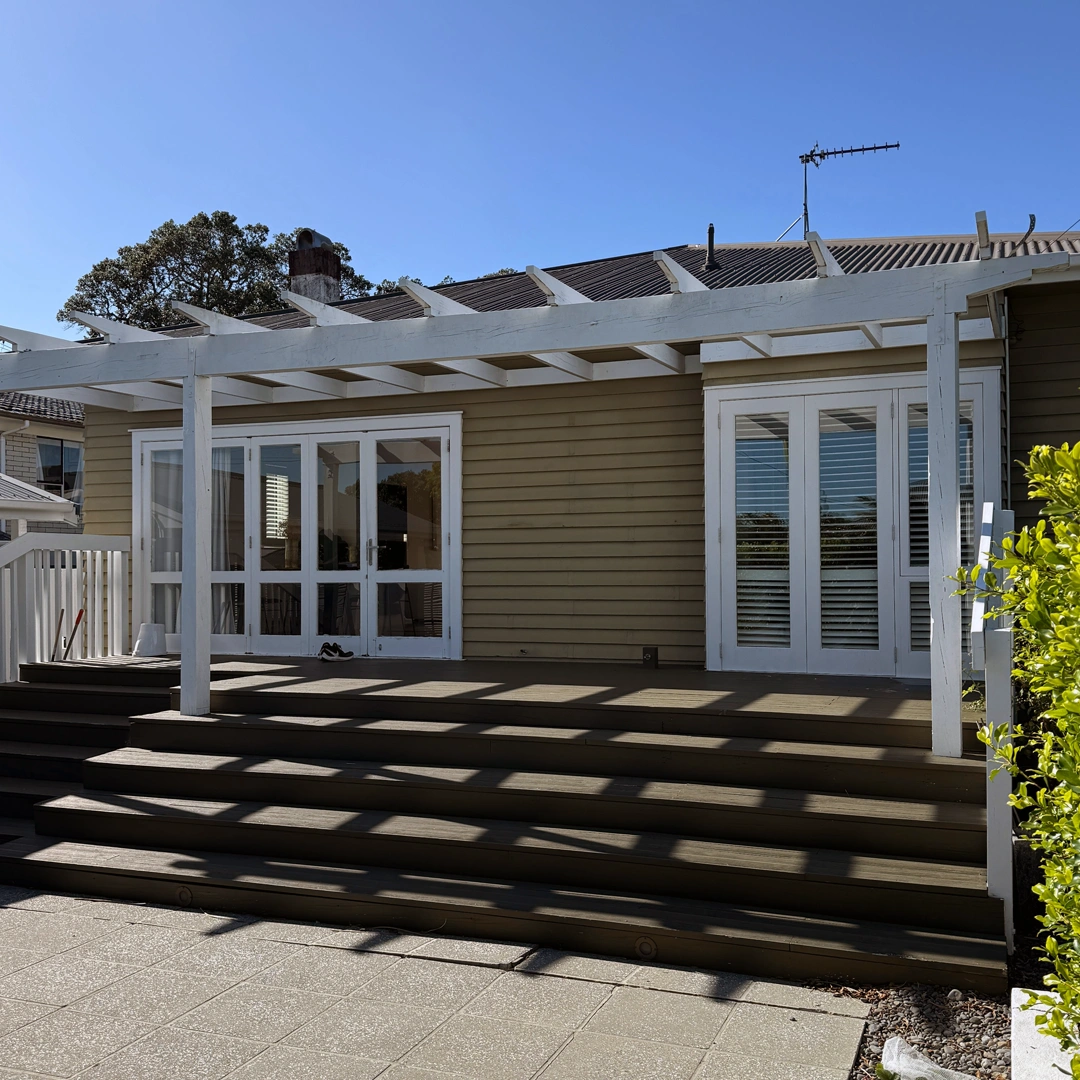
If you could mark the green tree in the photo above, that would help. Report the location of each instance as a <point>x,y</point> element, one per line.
<point>210,261</point>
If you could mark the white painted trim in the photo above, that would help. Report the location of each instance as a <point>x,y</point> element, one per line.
<point>824,261</point>
<point>447,425</point>
<point>982,383</point>
<point>820,304</point>
<point>679,278</point>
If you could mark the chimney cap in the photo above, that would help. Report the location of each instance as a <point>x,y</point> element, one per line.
<point>309,238</point>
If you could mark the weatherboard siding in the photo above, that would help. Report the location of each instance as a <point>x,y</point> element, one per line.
<point>583,521</point>
<point>1044,378</point>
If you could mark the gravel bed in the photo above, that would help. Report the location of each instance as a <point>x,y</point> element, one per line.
<point>966,1032</point>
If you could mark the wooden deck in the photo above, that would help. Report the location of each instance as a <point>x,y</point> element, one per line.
<point>531,683</point>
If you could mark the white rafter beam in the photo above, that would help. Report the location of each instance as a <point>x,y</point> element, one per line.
<point>220,325</point>
<point>986,249</point>
<point>824,261</point>
<point>435,304</point>
<point>559,294</point>
<point>478,369</point>
<point>679,278</point>
<point>28,341</point>
<point>112,330</point>
<point>324,315</point>
<point>891,297</point>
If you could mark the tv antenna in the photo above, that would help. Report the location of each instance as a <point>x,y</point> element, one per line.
<point>815,157</point>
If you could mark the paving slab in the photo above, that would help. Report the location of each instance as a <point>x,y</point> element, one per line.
<point>173,1053</point>
<point>254,1011</point>
<point>379,939</point>
<point>228,957</point>
<point>292,1063</point>
<point>485,1049</point>
<point>60,980</point>
<point>373,1029</point>
<point>324,970</point>
<point>637,1013</point>
<point>138,944</point>
<point>791,1035</point>
<point>594,1056</point>
<point>573,966</point>
<point>17,1014</point>
<point>491,953</point>
<point>720,1066</point>
<point>539,999</point>
<point>66,1042</point>
<point>154,996</point>
<point>12,960</point>
<point>435,983</point>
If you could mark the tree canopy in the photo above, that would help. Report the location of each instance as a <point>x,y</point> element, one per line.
<point>210,261</point>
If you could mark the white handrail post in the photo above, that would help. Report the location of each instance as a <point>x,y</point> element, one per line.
<point>999,711</point>
<point>943,422</point>
<point>195,577</point>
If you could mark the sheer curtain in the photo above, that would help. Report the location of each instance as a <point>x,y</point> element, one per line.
<point>223,463</point>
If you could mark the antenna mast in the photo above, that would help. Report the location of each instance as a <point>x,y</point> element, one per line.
<point>815,157</point>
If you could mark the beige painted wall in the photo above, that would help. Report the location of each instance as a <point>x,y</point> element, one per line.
<point>582,510</point>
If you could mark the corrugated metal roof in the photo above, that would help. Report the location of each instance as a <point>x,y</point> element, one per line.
<point>637,274</point>
<point>12,490</point>
<point>32,407</point>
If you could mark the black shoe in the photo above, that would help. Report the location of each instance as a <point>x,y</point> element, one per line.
<point>333,653</point>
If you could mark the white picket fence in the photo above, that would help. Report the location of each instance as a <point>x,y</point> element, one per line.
<point>45,580</point>
<point>992,651</point>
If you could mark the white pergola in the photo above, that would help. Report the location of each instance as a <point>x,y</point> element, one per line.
<point>931,306</point>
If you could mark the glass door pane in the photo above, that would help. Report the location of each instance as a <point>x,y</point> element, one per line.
<point>165,529</point>
<point>408,547</point>
<point>339,567</point>
<point>851,551</point>
<point>763,530</point>
<point>762,536</point>
<point>228,544</point>
<point>848,524</point>
<point>278,578</point>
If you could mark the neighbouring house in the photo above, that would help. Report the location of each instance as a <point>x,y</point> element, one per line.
<point>41,444</point>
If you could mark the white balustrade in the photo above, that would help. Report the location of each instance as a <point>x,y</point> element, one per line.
<point>992,651</point>
<point>46,579</point>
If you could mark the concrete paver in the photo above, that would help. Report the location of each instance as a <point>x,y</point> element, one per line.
<point>118,991</point>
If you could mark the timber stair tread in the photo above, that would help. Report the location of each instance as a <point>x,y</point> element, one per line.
<point>46,717</point>
<point>638,790</point>
<point>587,844</point>
<point>44,789</point>
<point>901,772</point>
<point>12,748</point>
<point>750,938</point>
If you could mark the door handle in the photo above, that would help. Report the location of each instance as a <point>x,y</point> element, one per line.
<point>370,550</point>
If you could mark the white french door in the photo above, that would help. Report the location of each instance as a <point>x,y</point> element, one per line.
<point>338,536</point>
<point>820,557</point>
<point>806,533</point>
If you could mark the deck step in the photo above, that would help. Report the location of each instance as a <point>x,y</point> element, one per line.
<point>19,795</point>
<point>897,772</point>
<point>919,829</point>
<point>44,761</point>
<point>750,938</point>
<point>84,698</point>
<point>234,696</point>
<point>62,728</point>
<point>884,888</point>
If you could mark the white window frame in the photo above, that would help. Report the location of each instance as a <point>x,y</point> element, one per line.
<point>448,424</point>
<point>981,383</point>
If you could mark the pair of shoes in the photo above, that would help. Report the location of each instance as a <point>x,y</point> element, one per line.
<point>333,652</point>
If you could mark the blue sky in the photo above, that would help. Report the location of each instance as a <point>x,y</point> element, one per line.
<point>457,138</point>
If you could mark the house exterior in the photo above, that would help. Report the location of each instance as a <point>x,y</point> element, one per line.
<point>41,444</point>
<point>734,456</point>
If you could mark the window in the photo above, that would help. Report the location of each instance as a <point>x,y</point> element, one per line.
<point>60,469</point>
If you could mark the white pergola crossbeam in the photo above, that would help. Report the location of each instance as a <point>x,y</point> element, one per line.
<point>432,302</point>
<point>762,344</point>
<point>408,381</point>
<point>481,370</point>
<point>983,230</point>
<point>679,278</point>
<point>874,334</point>
<point>28,341</point>
<point>215,323</point>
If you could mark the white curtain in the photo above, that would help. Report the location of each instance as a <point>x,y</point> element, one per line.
<point>221,479</point>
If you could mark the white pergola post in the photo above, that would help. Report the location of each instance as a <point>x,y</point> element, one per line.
<point>943,423</point>
<point>195,591</point>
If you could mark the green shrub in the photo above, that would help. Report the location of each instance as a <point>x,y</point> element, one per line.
<point>1036,577</point>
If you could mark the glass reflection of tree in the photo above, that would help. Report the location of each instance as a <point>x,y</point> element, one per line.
<point>412,496</point>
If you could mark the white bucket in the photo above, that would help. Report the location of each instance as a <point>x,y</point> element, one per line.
<point>151,640</point>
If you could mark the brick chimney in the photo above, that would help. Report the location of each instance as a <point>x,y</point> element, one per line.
<point>315,268</point>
